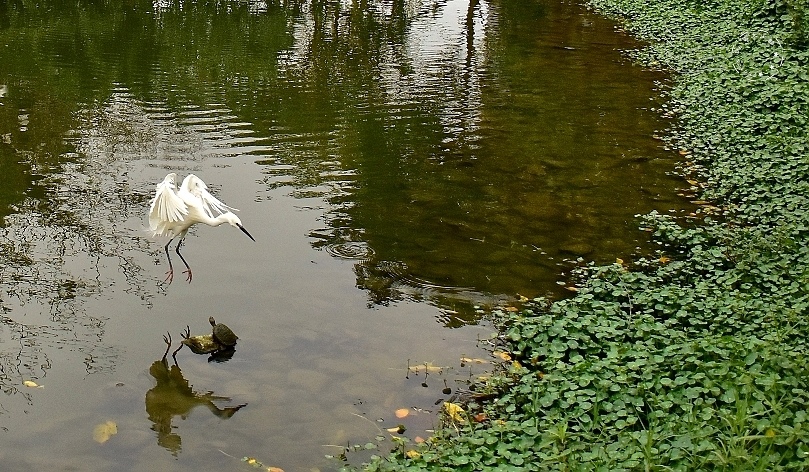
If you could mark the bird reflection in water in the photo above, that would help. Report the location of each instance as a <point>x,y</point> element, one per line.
<point>173,396</point>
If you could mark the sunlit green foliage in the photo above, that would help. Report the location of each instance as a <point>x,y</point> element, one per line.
<point>694,358</point>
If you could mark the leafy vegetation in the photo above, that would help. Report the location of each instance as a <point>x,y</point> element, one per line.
<point>694,358</point>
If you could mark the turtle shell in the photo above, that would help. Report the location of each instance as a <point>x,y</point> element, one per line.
<point>222,334</point>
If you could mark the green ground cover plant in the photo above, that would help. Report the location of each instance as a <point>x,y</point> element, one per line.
<point>694,358</point>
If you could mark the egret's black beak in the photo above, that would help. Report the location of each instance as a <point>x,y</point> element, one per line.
<point>245,232</point>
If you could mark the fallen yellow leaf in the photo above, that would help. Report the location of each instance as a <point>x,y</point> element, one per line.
<point>427,366</point>
<point>455,412</point>
<point>413,454</point>
<point>104,431</point>
<point>503,355</point>
<point>664,260</point>
<point>399,429</point>
<point>274,469</point>
<point>402,412</point>
<point>470,360</point>
<point>32,384</point>
<point>418,440</point>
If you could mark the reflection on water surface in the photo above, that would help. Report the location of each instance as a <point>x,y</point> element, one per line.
<point>435,155</point>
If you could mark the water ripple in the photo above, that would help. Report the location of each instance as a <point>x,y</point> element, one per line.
<point>351,250</point>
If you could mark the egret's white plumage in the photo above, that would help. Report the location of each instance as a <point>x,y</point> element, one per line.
<point>173,212</point>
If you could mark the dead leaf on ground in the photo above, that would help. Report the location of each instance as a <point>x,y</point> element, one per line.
<point>401,412</point>
<point>454,411</point>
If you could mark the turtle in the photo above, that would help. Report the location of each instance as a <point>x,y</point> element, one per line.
<point>202,344</point>
<point>222,335</point>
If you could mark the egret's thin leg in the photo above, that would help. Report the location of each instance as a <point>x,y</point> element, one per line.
<point>170,273</point>
<point>188,269</point>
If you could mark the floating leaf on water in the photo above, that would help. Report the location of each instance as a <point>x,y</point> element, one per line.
<point>455,412</point>
<point>419,440</point>
<point>258,465</point>
<point>32,384</point>
<point>428,366</point>
<point>402,412</point>
<point>471,360</point>
<point>104,431</point>
<point>399,429</point>
<point>502,355</point>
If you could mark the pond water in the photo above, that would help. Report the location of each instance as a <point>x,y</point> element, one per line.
<point>398,164</point>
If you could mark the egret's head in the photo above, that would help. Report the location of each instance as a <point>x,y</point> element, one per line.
<point>234,221</point>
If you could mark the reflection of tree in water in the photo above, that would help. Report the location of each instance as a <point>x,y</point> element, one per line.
<point>41,303</point>
<point>173,396</point>
<point>406,105</point>
<point>59,231</point>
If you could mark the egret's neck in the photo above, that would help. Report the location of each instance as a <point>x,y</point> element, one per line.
<point>220,220</point>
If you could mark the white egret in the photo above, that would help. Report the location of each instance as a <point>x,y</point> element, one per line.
<point>173,211</point>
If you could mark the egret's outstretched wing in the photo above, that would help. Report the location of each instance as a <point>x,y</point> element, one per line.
<point>166,208</point>
<point>196,187</point>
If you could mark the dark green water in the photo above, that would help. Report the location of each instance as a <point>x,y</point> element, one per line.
<point>397,162</point>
